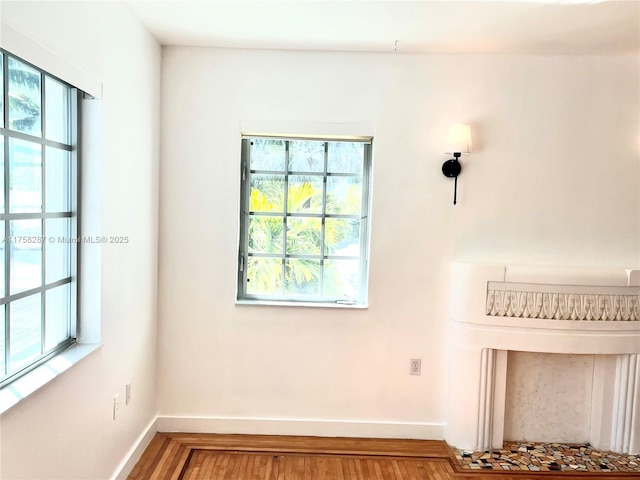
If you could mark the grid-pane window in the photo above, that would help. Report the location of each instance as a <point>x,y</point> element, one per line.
<point>38,216</point>
<point>304,220</point>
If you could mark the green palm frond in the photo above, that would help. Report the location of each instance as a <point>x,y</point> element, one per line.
<point>304,235</point>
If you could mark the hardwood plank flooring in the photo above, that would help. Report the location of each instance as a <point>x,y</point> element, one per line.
<point>180,456</point>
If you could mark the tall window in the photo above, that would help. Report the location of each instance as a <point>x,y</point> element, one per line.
<point>38,216</point>
<point>304,220</point>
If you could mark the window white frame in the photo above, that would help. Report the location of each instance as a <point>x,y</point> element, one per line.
<point>43,142</point>
<point>245,256</point>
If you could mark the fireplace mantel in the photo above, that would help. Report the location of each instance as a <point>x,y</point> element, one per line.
<point>571,310</point>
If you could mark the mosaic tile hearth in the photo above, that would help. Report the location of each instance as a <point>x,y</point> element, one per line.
<point>547,457</point>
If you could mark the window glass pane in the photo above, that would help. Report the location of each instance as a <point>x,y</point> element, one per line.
<point>26,255</point>
<point>3,244</point>
<point>56,316</point>
<point>57,125</point>
<point>342,237</point>
<point>344,195</point>
<point>265,234</point>
<point>302,276</point>
<point>34,104</point>
<point>341,278</point>
<point>345,157</point>
<point>1,93</point>
<point>264,276</point>
<point>58,249</point>
<point>58,165</point>
<point>306,156</point>
<point>267,154</point>
<point>24,98</point>
<point>2,176</point>
<point>25,331</point>
<point>25,163</point>
<point>267,193</point>
<point>322,189</point>
<point>304,235</point>
<point>305,194</point>
<point>3,344</point>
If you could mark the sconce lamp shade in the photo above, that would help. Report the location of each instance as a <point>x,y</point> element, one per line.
<point>459,139</point>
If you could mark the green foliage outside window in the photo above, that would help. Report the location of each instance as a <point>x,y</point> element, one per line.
<point>304,202</point>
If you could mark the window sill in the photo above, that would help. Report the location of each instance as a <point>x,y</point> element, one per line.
<point>24,386</point>
<point>273,303</point>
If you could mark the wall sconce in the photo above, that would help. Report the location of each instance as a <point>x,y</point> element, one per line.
<point>458,142</point>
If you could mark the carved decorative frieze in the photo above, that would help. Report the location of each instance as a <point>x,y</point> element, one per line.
<point>558,305</point>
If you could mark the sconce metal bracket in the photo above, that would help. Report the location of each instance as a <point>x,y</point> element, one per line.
<point>452,168</point>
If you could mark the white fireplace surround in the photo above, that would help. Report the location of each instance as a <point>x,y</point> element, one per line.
<point>571,310</point>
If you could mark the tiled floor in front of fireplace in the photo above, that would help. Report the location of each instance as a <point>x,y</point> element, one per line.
<point>545,457</point>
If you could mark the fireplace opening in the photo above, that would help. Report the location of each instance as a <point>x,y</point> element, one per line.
<point>548,397</point>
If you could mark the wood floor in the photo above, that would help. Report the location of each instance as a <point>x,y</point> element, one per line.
<point>180,456</point>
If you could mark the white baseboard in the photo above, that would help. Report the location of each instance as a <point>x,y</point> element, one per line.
<point>304,427</point>
<point>136,451</point>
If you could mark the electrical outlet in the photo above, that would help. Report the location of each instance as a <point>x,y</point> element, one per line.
<point>415,365</point>
<point>127,394</point>
<point>116,405</point>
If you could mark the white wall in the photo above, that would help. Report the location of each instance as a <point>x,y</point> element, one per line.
<point>553,178</point>
<point>66,430</point>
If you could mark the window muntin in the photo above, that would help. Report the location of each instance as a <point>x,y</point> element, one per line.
<point>304,220</point>
<point>38,216</point>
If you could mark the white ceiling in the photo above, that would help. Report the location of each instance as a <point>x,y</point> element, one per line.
<point>445,26</point>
